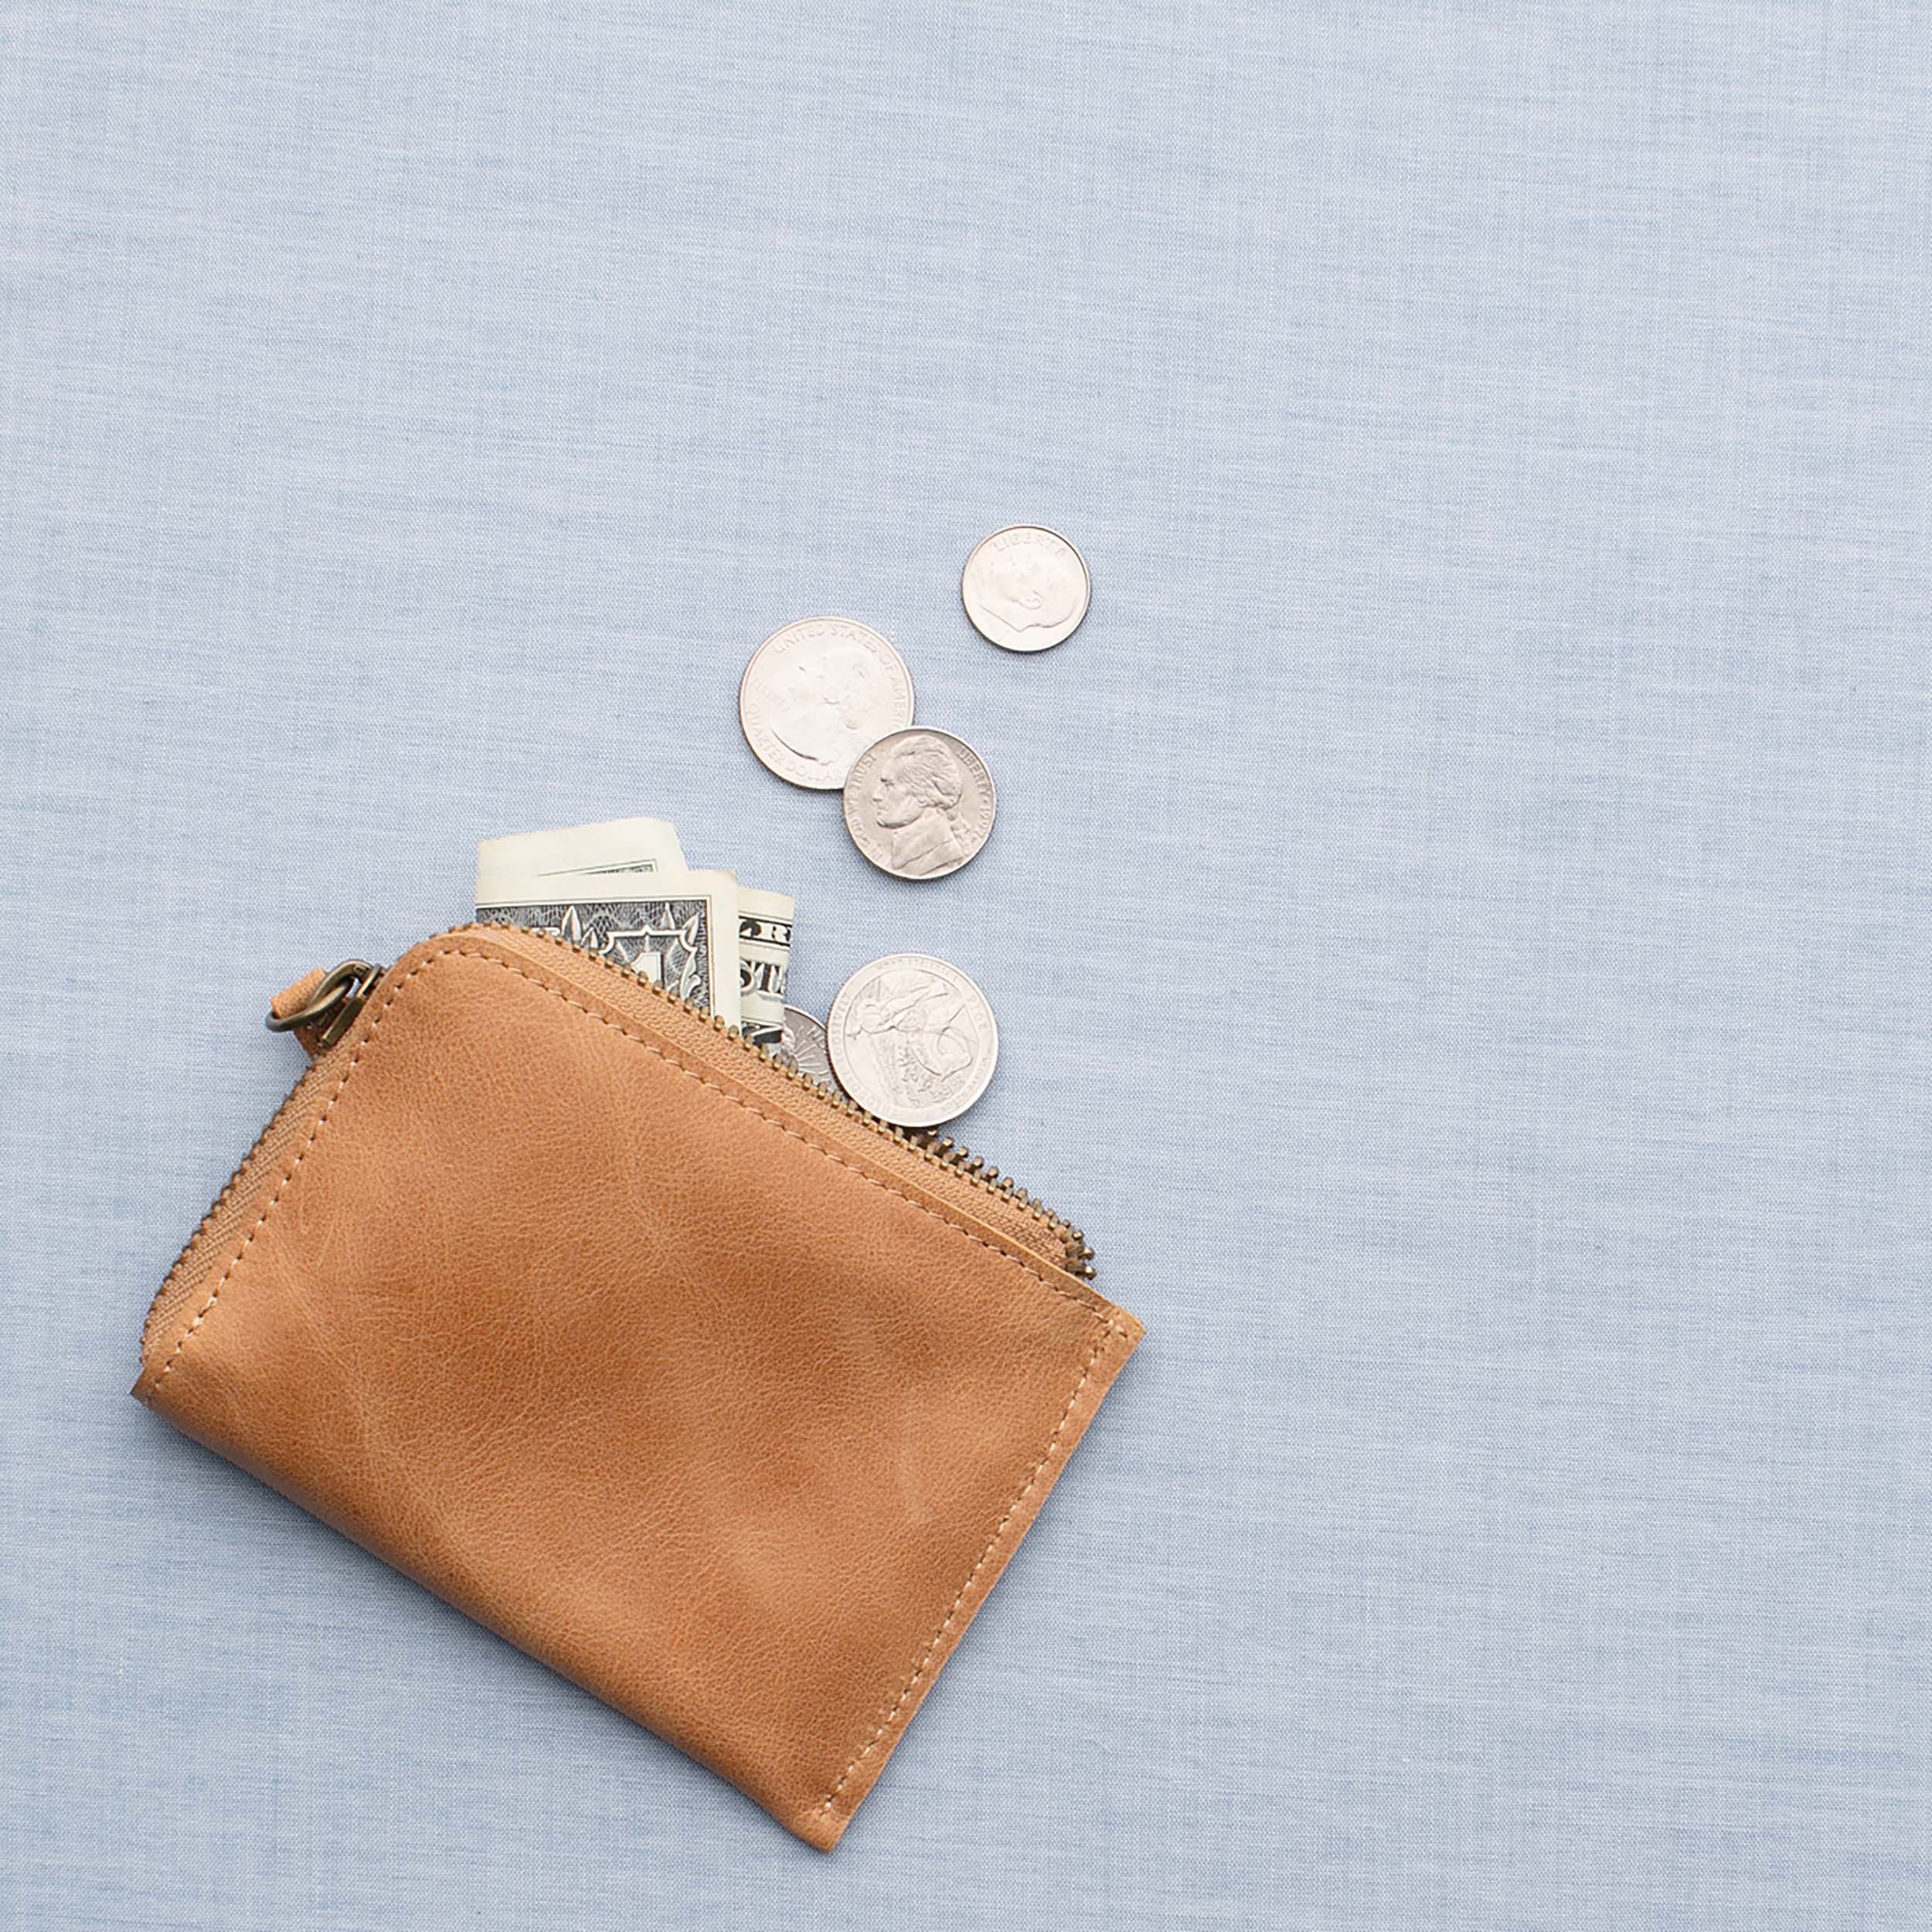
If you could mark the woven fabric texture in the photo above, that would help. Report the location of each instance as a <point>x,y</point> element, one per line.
<point>1459,916</point>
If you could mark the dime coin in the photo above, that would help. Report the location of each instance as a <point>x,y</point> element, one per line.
<point>1025,589</point>
<point>805,1050</point>
<point>919,804</point>
<point>912,1040</point>
<point>816,693</point>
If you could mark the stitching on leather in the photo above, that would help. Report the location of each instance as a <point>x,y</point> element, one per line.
<point>999,1530</point>
<point>672,1059</point>
<point>1110,1330</point>
<point>651,1046</point>
<point>281,1186</point>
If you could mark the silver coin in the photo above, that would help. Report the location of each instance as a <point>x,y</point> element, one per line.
<point>816,693</point>
<point>920,804</point>
<point>1025,588</point>
<point>804,1048</point>
<point>913,1039</point>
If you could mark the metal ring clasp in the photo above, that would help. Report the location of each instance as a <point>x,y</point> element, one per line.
<point>337,999</point>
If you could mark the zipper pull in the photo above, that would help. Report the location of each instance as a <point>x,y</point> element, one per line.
<point>321,1007</point>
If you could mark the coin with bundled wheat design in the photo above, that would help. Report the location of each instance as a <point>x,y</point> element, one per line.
<point>920,804</point>
<point>912,1040</point>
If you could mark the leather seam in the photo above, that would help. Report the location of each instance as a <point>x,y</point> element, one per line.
<point>281,1186</point>
<point>1109,1334</point>
<point>1109,1330</point>
<point>670,1060</point>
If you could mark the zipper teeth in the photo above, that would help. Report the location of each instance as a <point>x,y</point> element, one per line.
<point>943,1152</point>
<point>946,1152</point>
<point>216,1207</point>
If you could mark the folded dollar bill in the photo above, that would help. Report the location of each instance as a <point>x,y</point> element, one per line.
<point>764,955</point>
<point>619,846</point>
<point>622,888</point>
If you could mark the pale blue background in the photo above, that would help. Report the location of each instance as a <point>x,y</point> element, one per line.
<point>1459,915</point>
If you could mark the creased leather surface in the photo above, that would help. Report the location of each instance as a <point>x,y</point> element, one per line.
<point>642,1373</point>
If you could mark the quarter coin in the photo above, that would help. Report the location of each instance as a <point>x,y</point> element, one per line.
<point>912,1040</point>
<point>804,1048</point>
<point>816,693</point>
<point>920,804</point>
<point>1025,588</point>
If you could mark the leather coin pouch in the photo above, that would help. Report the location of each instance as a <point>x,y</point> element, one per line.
<point>712,1392</point>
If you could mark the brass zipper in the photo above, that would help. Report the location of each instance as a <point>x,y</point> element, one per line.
<point>340,994</point>
<point>274,1122</point>
<point>331,1008</point>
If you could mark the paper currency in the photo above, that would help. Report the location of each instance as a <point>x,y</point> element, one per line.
<point>764,952</point>
<point>622,888</point>
<point>679,930</point>
<point>575,853</point>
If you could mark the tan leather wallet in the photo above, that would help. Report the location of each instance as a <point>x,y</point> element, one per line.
<point>720,1396</point>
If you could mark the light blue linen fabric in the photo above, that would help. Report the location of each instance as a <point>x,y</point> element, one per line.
<point>1459,914</point>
